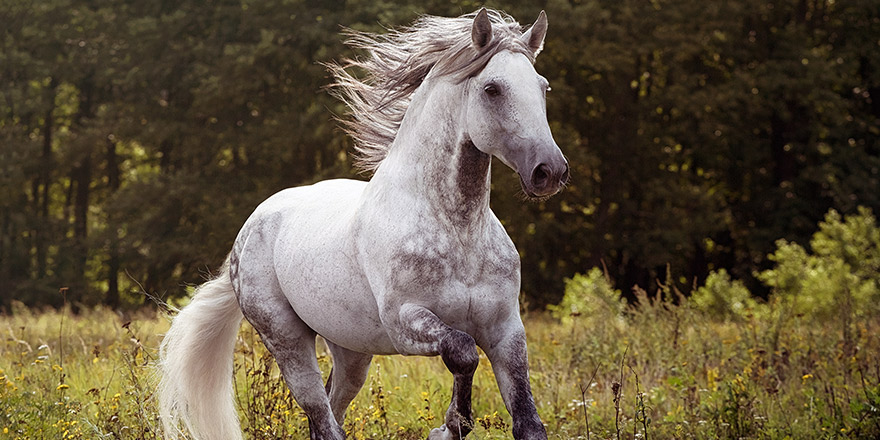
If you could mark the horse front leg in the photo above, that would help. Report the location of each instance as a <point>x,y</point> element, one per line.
<point>459,353</point>
<point>418,331</point>
<point>506,350</point>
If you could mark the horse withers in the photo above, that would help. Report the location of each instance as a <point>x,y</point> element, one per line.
<point>413,262</point>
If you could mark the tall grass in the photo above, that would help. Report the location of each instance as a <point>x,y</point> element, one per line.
<point>715,365</point>
<point>681,374</point>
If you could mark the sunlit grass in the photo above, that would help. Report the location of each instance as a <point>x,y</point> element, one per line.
<point>91,375</point>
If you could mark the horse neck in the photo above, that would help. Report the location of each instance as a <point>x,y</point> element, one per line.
<point>433,159</point>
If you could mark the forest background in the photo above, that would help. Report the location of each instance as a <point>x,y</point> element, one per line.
<point>137,136</point>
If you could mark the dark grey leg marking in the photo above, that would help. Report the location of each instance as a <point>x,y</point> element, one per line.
<point>459,352</point>
<point>425,334</point>
<point>511,365</point>
<point>526,423</point>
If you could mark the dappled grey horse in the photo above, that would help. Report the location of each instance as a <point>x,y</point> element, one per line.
<point>412,262</point>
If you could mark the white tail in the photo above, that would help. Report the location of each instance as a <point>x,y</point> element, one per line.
<point>195,359</point>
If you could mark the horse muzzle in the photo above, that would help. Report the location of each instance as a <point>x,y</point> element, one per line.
<point>546,178</point>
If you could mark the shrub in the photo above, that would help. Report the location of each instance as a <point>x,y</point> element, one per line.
<point>588,295</point>
<point>722,297</point>
<point>841,275</point>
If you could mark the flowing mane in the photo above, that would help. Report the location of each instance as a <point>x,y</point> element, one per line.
<point>396,64</point>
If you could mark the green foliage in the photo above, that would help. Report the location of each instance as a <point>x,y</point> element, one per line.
<point>840,275</point>
<point>588,295</point>
<point>736,367</point>
<point>854,241</point>
<point>136,137</point>
<point>723,298</point>
<point>685,374</point>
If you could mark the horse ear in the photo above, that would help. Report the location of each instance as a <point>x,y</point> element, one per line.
<point>481,33</point>
<point>534,37</point>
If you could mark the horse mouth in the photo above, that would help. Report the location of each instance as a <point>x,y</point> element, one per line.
<point>544,182</point>
<point>535,195</point>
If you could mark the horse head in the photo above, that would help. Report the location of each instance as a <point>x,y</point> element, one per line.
<point>507,112</point>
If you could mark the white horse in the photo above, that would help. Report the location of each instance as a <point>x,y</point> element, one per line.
<point>412,262</point>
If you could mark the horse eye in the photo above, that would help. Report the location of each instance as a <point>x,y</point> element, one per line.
<point>492,90</point>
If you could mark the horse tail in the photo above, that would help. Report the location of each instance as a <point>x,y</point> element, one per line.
<point>195,362</point>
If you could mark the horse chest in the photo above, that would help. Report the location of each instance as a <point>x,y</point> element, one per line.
<point>435,264</point>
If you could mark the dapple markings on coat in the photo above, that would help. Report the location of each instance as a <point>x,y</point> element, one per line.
<point>413,262</point>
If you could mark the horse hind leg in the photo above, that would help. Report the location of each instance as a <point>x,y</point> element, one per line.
<point>346,378</point>
<point>292,343</point>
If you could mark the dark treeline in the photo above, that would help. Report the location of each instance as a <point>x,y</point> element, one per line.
<point>137,136</point>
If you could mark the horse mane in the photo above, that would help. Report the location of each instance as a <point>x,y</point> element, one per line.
<point>396,64</point>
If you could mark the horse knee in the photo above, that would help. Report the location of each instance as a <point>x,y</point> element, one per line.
<point>459,352</point>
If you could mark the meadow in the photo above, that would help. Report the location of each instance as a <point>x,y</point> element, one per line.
<point>657,370</point>
<point>714,363</point>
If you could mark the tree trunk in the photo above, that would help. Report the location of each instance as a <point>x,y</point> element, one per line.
<point>111,298</point>
<point>41,189</point>
<point>82,175</point>
<point>5,253</point>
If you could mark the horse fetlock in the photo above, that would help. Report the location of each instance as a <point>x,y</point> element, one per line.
<point>441,433</point>
<point>322,426</point>
<point>459,352</point>
<point>530,429</point>
<point>333,433</point>
<point>460,425</point>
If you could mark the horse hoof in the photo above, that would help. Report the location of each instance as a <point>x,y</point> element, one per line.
<point>440,433</point>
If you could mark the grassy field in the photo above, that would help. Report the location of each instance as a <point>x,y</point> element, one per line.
<point>653,371</point>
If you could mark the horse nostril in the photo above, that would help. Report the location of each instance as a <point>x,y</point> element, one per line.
<point>541,175</point>
<point>565,175</point>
